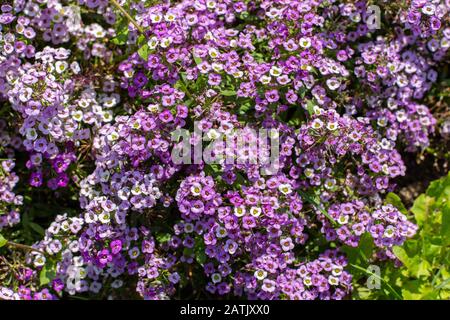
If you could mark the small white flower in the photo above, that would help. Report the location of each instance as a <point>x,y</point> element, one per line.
<point>211,4</point>
<point>382,122</point>
<point>221,232</point>
<point>260,274</point>
<point>83,103</point>
<point>333,280</point>
<point>336,271</point>
<point>238,74</point>
<point>89,217</point>
<point>81,272</point>
<point>216,277</point>
<point>128,73</point>
<point>109,102</point>
<point>153,108</point>
<point>213,53</point>
<point>317,110</point>
<point>332,126</point>
<point>61,66</point>
<point>305,42</point>
<point>330,183</point>
<point>239,211</point>
<point>307,281</point>
<point>188,228</point>
<point>77,115</point>
<point>107,116</point>
<point>104,217</point>
<point>317,124</point>
<point>25,94</point>
<point>196,189</point>
<point>265,79</point>
<point>169,17</point>
<point>401,116</point>
<point>275,71</point>
<point>136,190</point>
<point>285,188</point>
<point>165,42</point>
<point>309,173</point>
<point>155,18</point>
<point>429,9</point>
<point>333,83</point>
<point>39,260</point>
<point>213,134</point>
<point>113,136</point>
<point>65,226</point>
<point>386,144</point>
<point>75,67</point>
<point>343,219</point>
<point>152,43</point>
<point>255,211</point>
<point>31,134</point>
<point>217,67</point>
<point>389,232</point>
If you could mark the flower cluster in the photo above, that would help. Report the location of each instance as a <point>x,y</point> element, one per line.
<point>9,200</point>
<point>96,102</point>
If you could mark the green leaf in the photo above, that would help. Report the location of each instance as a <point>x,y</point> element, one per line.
<point>401,254</point>
<point>37,228</point>
<point>244,108</point>
<point>188,251</point>
<point>143,52</point>
<point>366,246</point>
<point>302,92</point>
<point>3,241</point>
<point>296,118</point>
<point>421,207</point>
<point>197,60</point>
<point>121,39</point>
<point>141,40</point>
<point>163,237</point>
<point>361,254</point>
<point>122,36</point>
<point>200,255</point>
<point>445,226</point>
<point>310,107</point>
<point>47,273</point>
<point>419,267</point>
<point>228,93</point>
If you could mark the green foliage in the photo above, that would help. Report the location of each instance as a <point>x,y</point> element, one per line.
<point>3,241</point>
<point>144,52</point>
<point>425,270</point>
<point>48,272</point>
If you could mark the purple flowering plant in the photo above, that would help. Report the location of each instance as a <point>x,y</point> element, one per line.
<point>102,197</point>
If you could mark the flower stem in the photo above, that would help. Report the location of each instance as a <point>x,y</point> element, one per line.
<point>23,247</point>
<point>126,14</point>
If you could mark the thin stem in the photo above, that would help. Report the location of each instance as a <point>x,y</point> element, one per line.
<point>316,205</point>
<point>397,295</point>
<point>23,247</point>
<point>117,5</point>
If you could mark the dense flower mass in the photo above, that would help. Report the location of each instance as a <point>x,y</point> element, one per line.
<point>227,148</point>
